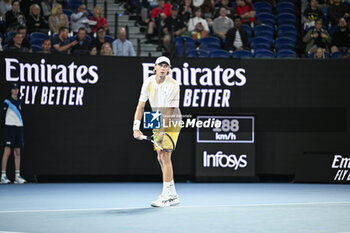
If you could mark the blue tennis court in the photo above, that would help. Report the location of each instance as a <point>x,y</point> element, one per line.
<point>205,207</point>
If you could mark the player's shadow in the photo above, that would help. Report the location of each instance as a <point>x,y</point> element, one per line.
<point>135,211</point>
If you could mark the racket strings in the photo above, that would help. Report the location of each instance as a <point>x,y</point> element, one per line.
<point>164,141</point>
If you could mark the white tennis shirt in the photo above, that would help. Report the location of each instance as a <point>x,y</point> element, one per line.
<point>162,96</point>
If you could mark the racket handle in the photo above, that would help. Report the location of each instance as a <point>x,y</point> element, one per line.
<point>144,137</point>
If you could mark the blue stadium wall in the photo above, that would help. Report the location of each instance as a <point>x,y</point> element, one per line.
<point>79,110</point>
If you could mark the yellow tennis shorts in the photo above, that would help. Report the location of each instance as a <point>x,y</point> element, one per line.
<point>173,133</point>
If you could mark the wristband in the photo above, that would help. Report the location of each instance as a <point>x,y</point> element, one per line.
<point>136,125</point>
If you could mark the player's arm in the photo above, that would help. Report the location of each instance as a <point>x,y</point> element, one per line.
<point>137,120</point>
<point>3,112</point>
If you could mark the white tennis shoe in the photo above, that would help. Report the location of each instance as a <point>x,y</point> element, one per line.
<point>174,200</point>
<point>20,180</point>
<point>162,201</point>
<point>4,180</point>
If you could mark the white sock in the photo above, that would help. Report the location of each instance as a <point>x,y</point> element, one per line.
<point>3,174</point>
<point>17,174</point>
<point>166,188</point>
<point>172,188</point>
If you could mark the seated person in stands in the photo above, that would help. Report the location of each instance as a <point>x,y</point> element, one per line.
<point>246,11</point>
<point>186,10</point>
<point>336,11</point>
<point>100,40</point>
<point>57,19</point>
<point>341,37</point>
<point>93,50</point>
<point>227,5</point>
<point>46,46</point>
<point>311,14</point>
<point>61,43</point>
<point>208,11</point>
<point>17,44</point>
<point>36,22</point>
<point>319,53</point>
<point>79,19</point>
<point>197,26</point>
<point>222,24</point>
<point>158,15</point>
<point>122,46</point>
<point>46,7</point>
<point>317,37</point>
<point>82,47</point>
<point>237,37</point>
<point>25,41</point>
<point>106,49</point>
<point>14,18</point>
<point>174,26</point>
<point>100,20</point>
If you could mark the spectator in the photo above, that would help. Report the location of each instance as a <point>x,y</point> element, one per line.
<point>174,26</point>
<point>25,6</point>
<point>158,15</point>
<point>17,44</point>
<point>57,19</point>
<point>46,46</point>
<point>106,49</point>
<point>226,5</point>
<point>100,20</point>
<point>14,18</point>
<point>222,24</point>
<point>341,37</point>
<point>5,6</point>
<point>246,11</point>
<point>36,22</point>
<point>46,7</point>
<point>93,50</point>
<point>208,9</point>
<point>25,41</point>
<point>237,37</point>
<point>311,13</point>
<point>79,19</point>
<point>317,37</point>
<point>336,11</point>
<point>121,46</point>
<point>61,43</point>
<point>100,40</point>
<point>82,47</point>
<point>197,26</point>
<point>186,10</point>
<point>319,54</point>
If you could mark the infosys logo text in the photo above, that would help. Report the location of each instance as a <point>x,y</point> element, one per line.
<point>219,159</point>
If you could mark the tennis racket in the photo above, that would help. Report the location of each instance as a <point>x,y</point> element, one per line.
<point>161,140</point>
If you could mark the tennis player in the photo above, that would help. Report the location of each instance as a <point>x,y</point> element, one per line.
<point>13,134</point>
<point>163,93</point>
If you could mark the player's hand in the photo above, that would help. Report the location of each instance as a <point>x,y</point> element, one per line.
<point>138,134</point>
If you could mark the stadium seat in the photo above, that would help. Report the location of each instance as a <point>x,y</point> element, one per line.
<point>9,35</point>
<point>266,18</point>
<point>285,53</point>
<point>260,43</point>
<point>74,4</point>
<point>110,38</point>
<point>36,48</point>
<point>259,5</point>
<point>219,53</point>
<point>242,54</point>
<point>183,44</point>
<point>248,29</point>
<point>197,53</point>
<point>38,36</point>
<point>264,10</point>
<point>37,42</point>
<point>285,7</point>
<point>332,29</point>
<point>286,18</point>
<point>263,53</point>
<point>264,31</point>
<point>68,12</point>
<point>291,1</point>
<point>284,43</point>
<point>209,43</point>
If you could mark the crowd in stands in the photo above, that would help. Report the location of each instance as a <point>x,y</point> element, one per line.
<point>204,28</point>
<point>44,27</point>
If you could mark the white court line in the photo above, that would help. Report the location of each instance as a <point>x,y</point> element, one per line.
<point>11,232</point>
<point>178,207</point>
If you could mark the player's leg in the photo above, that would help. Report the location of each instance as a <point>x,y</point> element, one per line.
<point>17,154</point>
<point>5,157</point>
<point>18,177</point>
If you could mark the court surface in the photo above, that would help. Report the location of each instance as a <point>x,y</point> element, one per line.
<point>205,207</point>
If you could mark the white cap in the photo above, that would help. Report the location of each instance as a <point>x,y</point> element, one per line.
<point>162,59</point>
